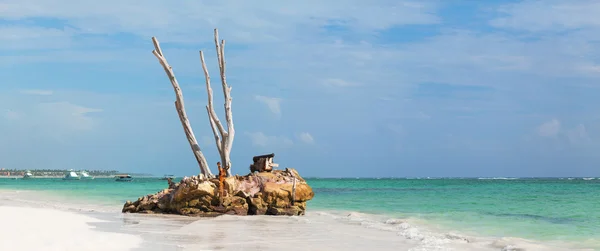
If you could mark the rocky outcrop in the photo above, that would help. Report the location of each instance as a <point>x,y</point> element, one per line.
<point>265,193</point>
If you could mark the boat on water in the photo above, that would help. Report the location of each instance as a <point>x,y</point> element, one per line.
<point>71,175</point>
<point>168,176</point>
<point>85,176</point>
<point>27,175</point>
<point>123,177</point>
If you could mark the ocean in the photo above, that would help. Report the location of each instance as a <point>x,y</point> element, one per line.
<point>561,212</point>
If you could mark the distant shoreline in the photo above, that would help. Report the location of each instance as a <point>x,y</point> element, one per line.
<point>55,177</point>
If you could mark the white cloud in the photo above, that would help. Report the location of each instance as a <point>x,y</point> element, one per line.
<point>592,68</point>
<point>52,117</point>
<point>472,58</point>
<point>306,138</point>
<point>246,21</point>
<point>11,115</point>
<point>282,31</point>
<point>563,138</point>
<point>71,129</point>
<point>578,135</point>
<point>336,82</point>
<point>283,38</point>
<point>37,92</point>
<point>274,104</point>
<point>549,129</point>
<point>262,140</point>
<point>130,57</point>
<point>27,32</point>
<point>31,37</point>
<point>47,120</point>
<point>67,115</point>
<point>549,15</point>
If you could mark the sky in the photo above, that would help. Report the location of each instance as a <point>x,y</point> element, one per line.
<point>334,88</point>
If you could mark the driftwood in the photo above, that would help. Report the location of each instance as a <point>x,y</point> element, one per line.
<point>179,105</point>
<point>223,138</point>
<point>224,142</point>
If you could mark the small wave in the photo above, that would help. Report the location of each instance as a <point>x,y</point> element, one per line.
<point>497,178</point>
<point>394,221</point>
<point>428,237</point>
<point>555,220</point>
<point>45,200</point>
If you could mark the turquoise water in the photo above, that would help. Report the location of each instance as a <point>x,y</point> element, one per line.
<point>536,209</point>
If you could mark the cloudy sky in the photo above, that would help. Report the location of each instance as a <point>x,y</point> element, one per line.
<point>334,88</point>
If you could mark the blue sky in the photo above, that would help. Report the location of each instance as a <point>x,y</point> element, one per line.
<point>334,88</point>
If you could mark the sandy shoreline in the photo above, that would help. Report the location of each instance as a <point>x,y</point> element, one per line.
<point>167,232</point>
<point>26,228</point>
<point>33,221</point>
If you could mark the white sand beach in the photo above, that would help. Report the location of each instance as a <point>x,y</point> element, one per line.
<point>26,228</point>
<point>36,221</point>
<point>32,221</point>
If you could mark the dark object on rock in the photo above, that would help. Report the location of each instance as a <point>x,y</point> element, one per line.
<point>256,158</point>
<point>263,163</point>
<point>264,193</point>
<point>170,182</point>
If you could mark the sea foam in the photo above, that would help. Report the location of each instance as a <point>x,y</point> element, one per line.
<point>426,236</point>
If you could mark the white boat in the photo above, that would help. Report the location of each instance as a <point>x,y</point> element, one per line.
<point>71,175</point>
<point>168,176</point>
<point>85,176</point>
<point>123,177</point>
<point>27,175</point>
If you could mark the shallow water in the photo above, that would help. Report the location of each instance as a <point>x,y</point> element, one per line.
<point>559,212</point>
<point>540,209</point>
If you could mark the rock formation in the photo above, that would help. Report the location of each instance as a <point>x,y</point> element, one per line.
<point>279,192</point>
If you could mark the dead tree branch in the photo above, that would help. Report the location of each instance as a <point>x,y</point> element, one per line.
<point>225,141</point>
<point>179,105</point>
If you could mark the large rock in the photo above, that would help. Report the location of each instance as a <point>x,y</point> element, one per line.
<point>267,193</point>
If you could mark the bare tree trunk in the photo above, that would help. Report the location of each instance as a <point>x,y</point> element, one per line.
<point>225,141</point>
<point>215,123</point>
<point>215,133</point>
<point>179,105</point>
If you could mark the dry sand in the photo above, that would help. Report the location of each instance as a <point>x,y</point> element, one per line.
<point>32,229</point>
